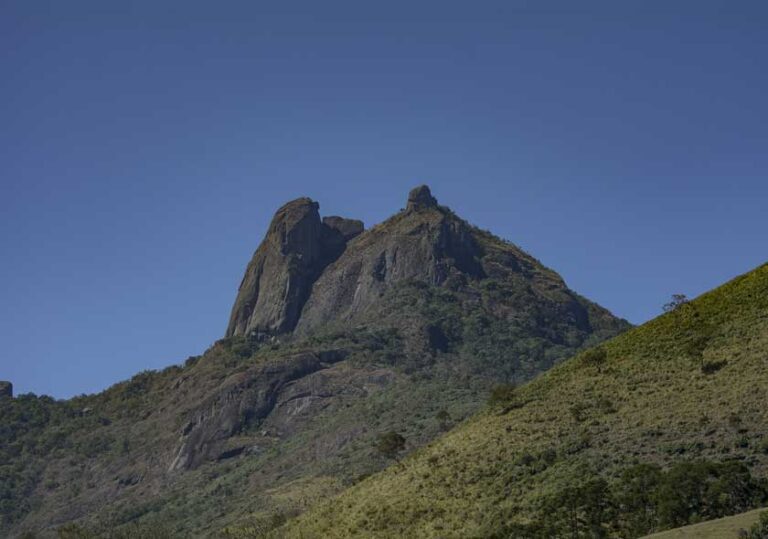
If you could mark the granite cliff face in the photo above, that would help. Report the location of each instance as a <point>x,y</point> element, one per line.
<point>309,274</point>
<point>424,243</point>
<point>279,278</point>
<point>247,398</point>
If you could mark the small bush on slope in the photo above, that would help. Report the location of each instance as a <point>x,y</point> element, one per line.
<point>475,482</point>
<point>760,529</point>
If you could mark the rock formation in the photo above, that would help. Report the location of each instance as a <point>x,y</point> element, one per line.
<point>348,228</point>
<point>308,273</point>
<point>246,398</point>
<point>6,389</point>
<point>278,280</point>
<point>424,243</point>
<point>420,198</point>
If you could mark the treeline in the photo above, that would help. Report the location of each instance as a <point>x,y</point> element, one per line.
<point>644,500</point>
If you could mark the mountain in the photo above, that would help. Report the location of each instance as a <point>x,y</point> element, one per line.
<point>662,426</point>
<point>337,335</point>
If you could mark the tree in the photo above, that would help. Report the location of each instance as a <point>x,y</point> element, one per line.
<point>583,510</point>
<point>444,418</point>
<point>502,394</point>
<point>677,301</point>
<point>390,444</point>
<point>635,495</point>
<point>697,333</point>
<point>595,357</point>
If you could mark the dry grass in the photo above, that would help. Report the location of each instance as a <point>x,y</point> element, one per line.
<point>722,528</point>
<point>649,403</point>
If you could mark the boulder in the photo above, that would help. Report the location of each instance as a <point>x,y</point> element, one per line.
<point>348,228</point>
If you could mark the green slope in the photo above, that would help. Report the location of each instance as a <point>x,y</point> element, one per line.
<point>687,387</point>
<point>721,528</point>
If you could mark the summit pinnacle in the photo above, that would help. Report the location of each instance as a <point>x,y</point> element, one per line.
<point>420,198</point>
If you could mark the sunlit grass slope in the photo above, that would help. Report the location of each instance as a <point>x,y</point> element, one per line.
<point>691,385</point>
<point>721,528</point>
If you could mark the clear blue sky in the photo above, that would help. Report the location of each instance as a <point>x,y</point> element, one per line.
<point>144,147</point>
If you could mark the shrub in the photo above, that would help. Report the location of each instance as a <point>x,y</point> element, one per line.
<point>579,411</point>
<point>711,367</point>
<point>502,395</point>
<point>191,360</point>
<point>390,444</point>
<point>444,419</point>
<point>605,405</point>
<point>595,357</point>
<point>677,301</point>
<point>584,510</point>
<point>759,530</point>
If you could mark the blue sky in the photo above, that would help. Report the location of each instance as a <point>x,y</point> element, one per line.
<point>144,147</point>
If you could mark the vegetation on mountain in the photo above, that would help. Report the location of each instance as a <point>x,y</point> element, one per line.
<point>402,328</point>
<point>643,440</point>
<point>390,444</point>
<point>676,301</point>
<point>643,499</point>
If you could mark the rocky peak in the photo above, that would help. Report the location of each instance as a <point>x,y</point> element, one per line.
<point>279,278</point>
<point>420,198</point>
<point>294,225</point>
<point>309,273</point>
<point>304,274</point>
<point>6,389</point>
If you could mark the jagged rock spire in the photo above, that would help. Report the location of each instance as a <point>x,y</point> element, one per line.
<point>420,198</point>
<point>279,278</point>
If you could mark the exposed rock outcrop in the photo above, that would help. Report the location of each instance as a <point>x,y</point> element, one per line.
<point>348,228</point>
<point>278,280</point>
<point>304,273</point>
<point>310,272</point>
<point>420,198</point>
<point>425,243</point>
<point>6,389</point>
<point>243,400</point>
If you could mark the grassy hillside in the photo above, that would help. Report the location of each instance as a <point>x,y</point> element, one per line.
<point>674,408</point>
<point>721,528</point>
